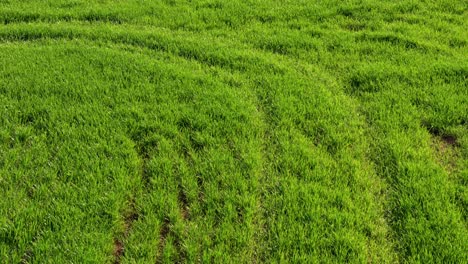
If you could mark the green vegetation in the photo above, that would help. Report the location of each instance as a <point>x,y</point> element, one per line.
<point>233,131</point>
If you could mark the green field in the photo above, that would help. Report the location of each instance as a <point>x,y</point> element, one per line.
<point>266,131</point>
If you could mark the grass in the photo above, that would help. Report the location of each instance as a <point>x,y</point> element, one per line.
<point>241,131</point>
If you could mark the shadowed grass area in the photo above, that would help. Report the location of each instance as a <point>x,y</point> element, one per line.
<point>243,131</point>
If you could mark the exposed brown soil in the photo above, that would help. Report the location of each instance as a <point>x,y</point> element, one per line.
<point>129,218</point>
<point>27,257</point>
<point>184,211</point>
<point>201,194</point>
<point>162,239</point>
<point>118,250</point>
<point>450,140</point>
<point>445,152</point>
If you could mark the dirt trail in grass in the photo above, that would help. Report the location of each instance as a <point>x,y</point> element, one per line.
<point>165,229</point>
<point>130,216</point>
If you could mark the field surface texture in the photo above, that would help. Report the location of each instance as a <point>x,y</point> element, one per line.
<point>211,131</point>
